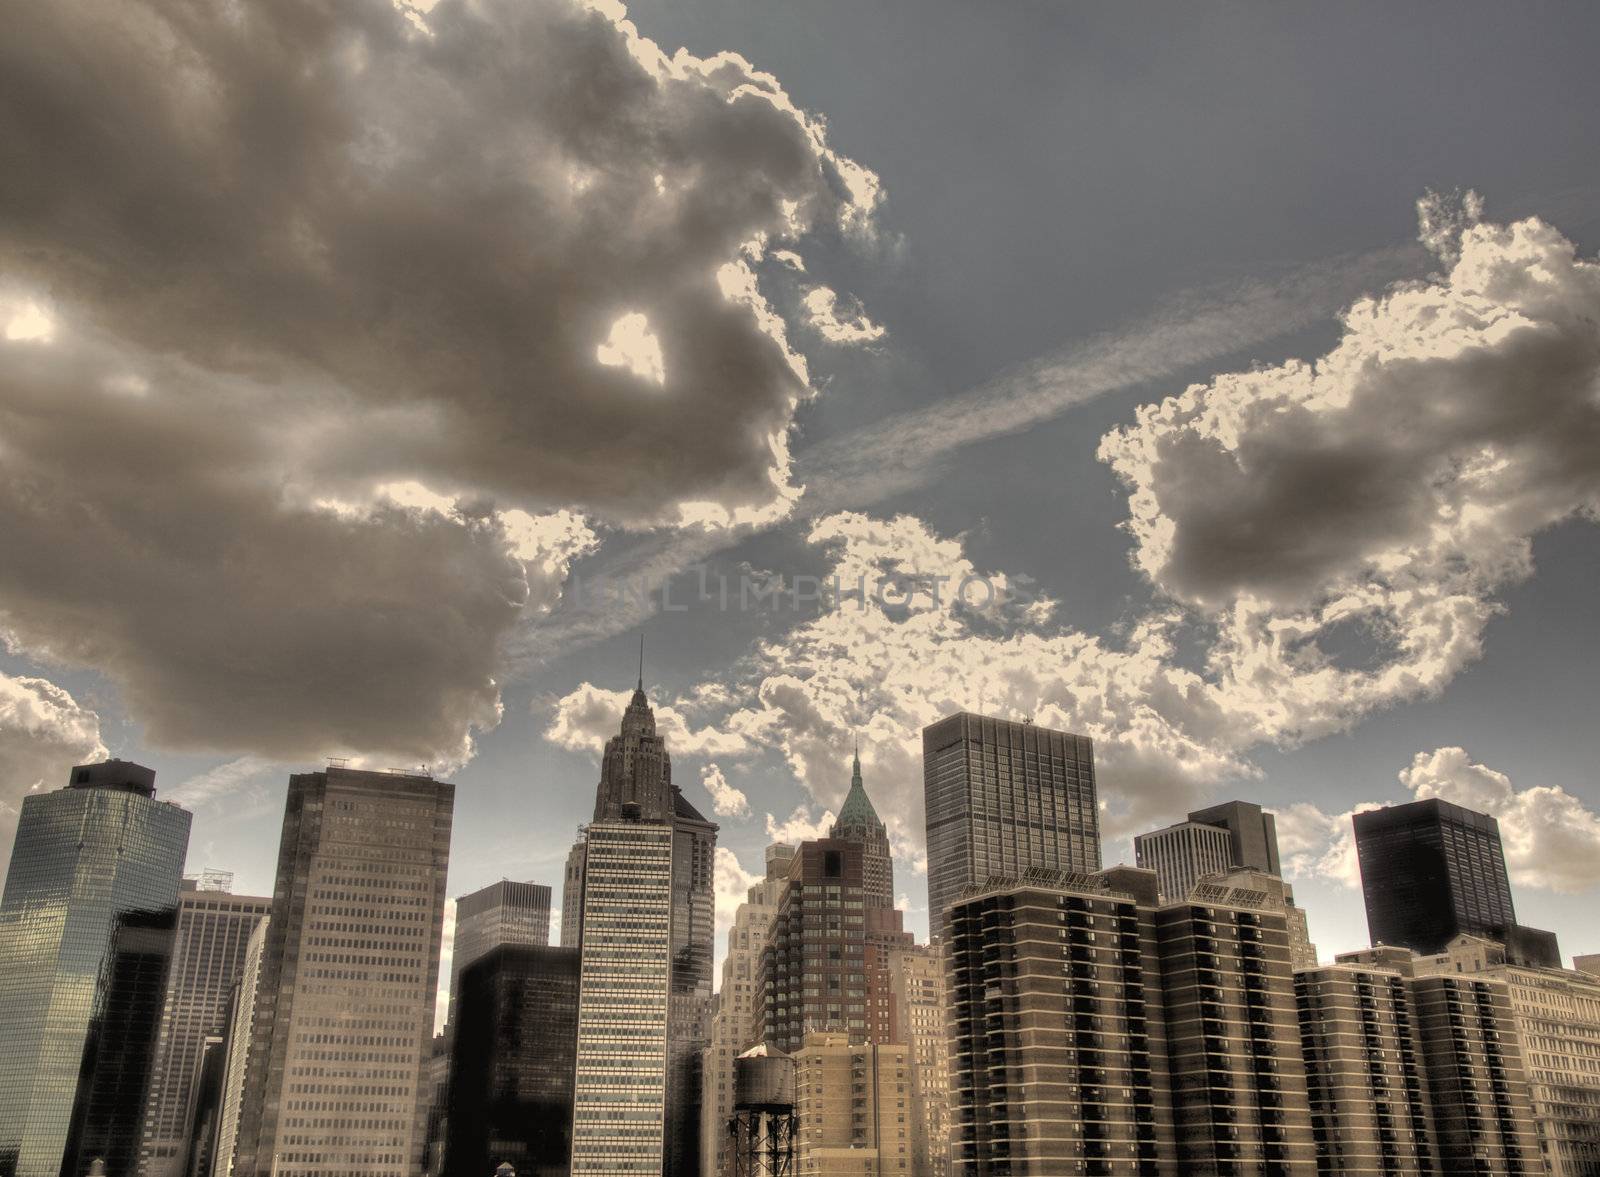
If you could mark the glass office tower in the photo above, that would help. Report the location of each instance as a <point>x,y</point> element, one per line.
<point>85,855</point>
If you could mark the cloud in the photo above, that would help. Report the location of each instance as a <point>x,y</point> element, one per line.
<point>303,336</point>
<point>1551,838</point>
<point>800,826</point>
<point>824,315</point>
<point>225,783</point>
<point>444,225</point>
<point>732,885</point>
<point>44,731</point>
<point>726,801</point>
<point>587,716</point>
<point>1406,469</point>
<point>1442,218</point>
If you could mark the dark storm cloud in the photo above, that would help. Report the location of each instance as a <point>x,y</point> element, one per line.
<point>444,222</point>
<point>260,264</point>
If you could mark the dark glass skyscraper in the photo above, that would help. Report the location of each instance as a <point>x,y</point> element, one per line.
<point>1431,870</point>
<point>108,1114</point>
<point>502,913</point>
<point>1002,797</point>
<point>85,855</point>
<point>512,1062</point>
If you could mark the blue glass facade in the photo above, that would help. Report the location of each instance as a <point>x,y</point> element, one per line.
<point>84,855</point>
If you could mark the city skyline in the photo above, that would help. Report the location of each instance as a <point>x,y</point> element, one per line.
<point>992,449</point>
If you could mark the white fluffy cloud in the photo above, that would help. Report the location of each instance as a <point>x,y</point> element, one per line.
<point>1402,474</point>
<point>732,885</point>
<point>1551,838</point>
<point>799,826</point>
<point>587,716</point>
<point>726,801</point>
<point>836,323</point>
<point>44,731</point>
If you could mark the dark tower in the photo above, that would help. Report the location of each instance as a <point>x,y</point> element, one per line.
<point>1431,870</point>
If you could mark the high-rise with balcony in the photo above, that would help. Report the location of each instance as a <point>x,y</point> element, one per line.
<point>1002,797</point>
<point>350,968</point>
<point>85,855</point>
<point>212,941</point>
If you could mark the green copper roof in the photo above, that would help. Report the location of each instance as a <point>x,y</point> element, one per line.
<point>857,808</point>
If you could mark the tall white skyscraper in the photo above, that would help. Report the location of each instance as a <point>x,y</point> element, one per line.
<point>619,1103</point>
<point>241,1018</point>
<point>344,1014</point>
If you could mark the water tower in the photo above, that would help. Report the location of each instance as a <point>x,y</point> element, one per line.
<point>763,1123</point>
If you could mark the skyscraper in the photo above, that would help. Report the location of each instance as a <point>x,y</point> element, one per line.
<point>572,893</point>
<point>1183,854</point>
<point>1252,832</point>
<point>213,936</point>
<point>852,1100</point>
<point>84,855</point>
<point>1431,870</point>
<point>826,962</point>
<point>345,1001</point>
<point>619,1101</point>
<point>917,978</point>
<point>1002,797</point>
<point>858,821</point>
<point>512,1062</point>
<point>501,913</point>
<point>638,811</point>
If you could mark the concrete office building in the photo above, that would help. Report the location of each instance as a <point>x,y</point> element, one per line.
<point>1057,1032</point>
<point>733,1018</point>
<point>1002,797</point>
<point>501,913</point>
<point>512,1062</point>
<point>345,1001</point>
<point>1252,834</point>
<point>241,1021</point>
<point>917,978</point>
<point>853,1107</point>
<point>1183,854</point>
<point>84,855</point>
<point>213,938</point>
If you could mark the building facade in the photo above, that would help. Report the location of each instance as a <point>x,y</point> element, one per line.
<point>917,979</point>
<point>619,1117</point>
<point>241,1022</point>
<point>512,1062</point>
<point>733,1018</point>
<point>1252,833</point>
<point>1370,1108</point>
<point>1002,797</point>
<point>345,1001</point>
<point>501,913</point>
<point>853,1107</point>
<point>572,894</point>
<point>84,855</point>
<point>1183,854</point>
<point>213,939</point>
<point>1057,1033</point>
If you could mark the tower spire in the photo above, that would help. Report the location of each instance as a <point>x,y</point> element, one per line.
<point>641,662</point>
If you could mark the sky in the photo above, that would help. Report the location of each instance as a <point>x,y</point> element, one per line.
<point>1219,382</point>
